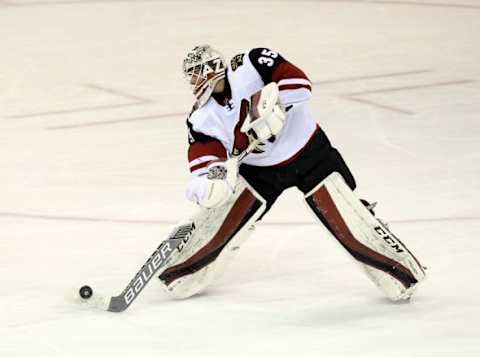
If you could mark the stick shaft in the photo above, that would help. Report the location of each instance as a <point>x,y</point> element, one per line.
<point>157,261</point>
<point>248,150</point>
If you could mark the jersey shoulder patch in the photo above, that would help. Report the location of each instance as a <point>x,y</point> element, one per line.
<point>237,61</point>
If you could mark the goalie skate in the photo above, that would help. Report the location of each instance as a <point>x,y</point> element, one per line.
<point>383,257</point>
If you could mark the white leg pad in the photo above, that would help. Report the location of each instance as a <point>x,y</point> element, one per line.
<point>383,257</point>
<point>219,233</point>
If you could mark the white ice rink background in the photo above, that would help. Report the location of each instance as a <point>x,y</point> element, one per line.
<point>93,170</point>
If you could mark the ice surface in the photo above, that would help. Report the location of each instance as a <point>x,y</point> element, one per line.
<point>93,171</point>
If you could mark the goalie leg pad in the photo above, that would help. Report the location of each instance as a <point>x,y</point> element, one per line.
<point>385,259</point>
<point>217,238</point>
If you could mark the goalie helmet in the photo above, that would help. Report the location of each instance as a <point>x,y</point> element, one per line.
<point>203,68</point>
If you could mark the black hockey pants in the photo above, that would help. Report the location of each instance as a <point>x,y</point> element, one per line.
<point>317,160</point>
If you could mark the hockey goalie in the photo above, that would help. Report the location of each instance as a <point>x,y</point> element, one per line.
<point>252,136</point>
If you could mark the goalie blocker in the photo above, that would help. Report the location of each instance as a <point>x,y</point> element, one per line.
<point>383,257</point>
<point>217,238</point>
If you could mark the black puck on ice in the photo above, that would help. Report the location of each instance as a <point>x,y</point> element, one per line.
<point>85,292</point>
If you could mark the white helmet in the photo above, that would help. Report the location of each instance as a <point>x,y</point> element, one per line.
<point>203,67</point>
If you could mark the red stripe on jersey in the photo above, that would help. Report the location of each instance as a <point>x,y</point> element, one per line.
<point>286,70</point>
<point>199,149</point>
<point>294,86</point>
<point>241,140</point>
<point>199,166</point>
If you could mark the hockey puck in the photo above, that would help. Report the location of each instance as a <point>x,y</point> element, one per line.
<point>85,292</point>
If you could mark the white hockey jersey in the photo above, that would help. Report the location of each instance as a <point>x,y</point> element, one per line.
<point>214,128</point>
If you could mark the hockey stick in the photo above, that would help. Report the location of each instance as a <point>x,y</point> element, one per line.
<point>248,150</point>
<point>159,260</point>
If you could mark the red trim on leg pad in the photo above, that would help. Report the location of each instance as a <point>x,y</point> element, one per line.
<point>324,207</point>
<point>242,210</point>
